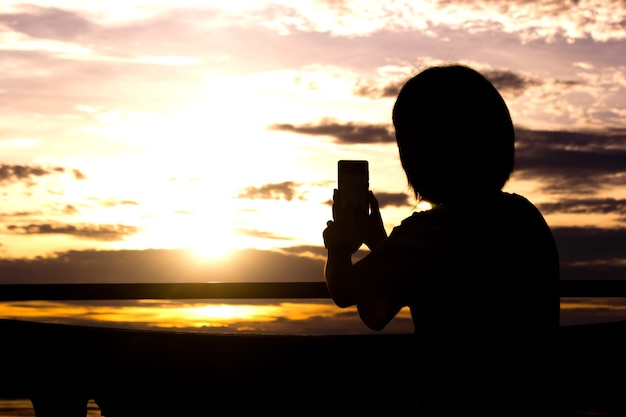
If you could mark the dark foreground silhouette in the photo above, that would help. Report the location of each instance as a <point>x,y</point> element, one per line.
<point>479,270</point>
<point>156,373</point>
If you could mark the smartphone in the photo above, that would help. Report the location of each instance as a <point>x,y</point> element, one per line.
<point>353,184</point>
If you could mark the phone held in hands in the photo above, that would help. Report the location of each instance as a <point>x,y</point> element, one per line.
<point>353,184</point>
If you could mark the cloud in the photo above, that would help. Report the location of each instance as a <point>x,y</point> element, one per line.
<point>113,202</point>
<point>260,234</point>
<point>574,161</point>
<point>579,162</point>
<point>376,91</point>
<point>591,244</point>
<point>27,173</point>
<point>48,23</point>
<point>591,252</point>
<point>78,175</point>
<point>584,252</point>
<point>348,132</point>
<point>99,232</point>
<point>510,83</point>
<point>20,214</point>
<point>276,191</point>
<point>249,265</point>
<point>386,199</point>
<point>56,209</point>
<point>69,209</point>
<point>544,20</point>
<point>585,206</point>
<point>318,252</point>
<point>529,20</point>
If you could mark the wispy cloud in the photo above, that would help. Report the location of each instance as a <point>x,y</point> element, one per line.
<point>261,234</point>
<point>287,190</point>
<point>48,23</point>
<point>579,162</point>
<point>591,252</point>
<point>100,232</point>
<point>585,206</point>
<point>349,133</point>
<point>387,199</point>
<point>510,83</point>
<point>28,173</point>
<point>112,202</point>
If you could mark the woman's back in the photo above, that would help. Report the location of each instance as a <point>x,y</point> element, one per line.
<point>486,321</point>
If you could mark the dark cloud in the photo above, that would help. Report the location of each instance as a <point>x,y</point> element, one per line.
<point>27,173</point>
<point>585,206</point>
<point>386,199</point>
<point>306,250</point>
<point>584,252</point>
<point>47,23</point>
<point>579,162</point>
<point>583,162</point>
<point>100,232</point>
<point>342,133</point>
<point>15,173</point>
<point>393,199</point>
<point>249,265</point>
<point>510,83</point>
<point>276,191</point>
<point>375,91</point>
<point>591,252</point>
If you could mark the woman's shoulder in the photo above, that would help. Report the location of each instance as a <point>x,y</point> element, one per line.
<point>426,221</point>
<point>519,205</point>
<point>500,208</point>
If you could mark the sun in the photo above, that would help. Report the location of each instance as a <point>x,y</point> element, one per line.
<point>208,237</point>
<point>213,246</point>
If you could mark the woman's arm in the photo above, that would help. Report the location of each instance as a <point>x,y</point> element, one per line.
<point>358,284</point>
<point>342,237</point>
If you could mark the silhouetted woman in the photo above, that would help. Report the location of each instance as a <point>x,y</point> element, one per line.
<point>479,271</point>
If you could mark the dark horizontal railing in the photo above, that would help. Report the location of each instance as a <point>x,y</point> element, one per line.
<point>238,290</point>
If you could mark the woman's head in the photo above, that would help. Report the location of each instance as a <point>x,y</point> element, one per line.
<point>455,135</point>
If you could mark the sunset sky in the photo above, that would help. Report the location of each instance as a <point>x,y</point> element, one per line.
<point>179,141</point>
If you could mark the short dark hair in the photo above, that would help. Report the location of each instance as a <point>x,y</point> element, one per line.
<point>454,133</point>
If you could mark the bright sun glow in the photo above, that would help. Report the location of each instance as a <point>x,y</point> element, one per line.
<point>215,246</point>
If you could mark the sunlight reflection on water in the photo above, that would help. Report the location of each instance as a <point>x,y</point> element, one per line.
<point>269,317</point>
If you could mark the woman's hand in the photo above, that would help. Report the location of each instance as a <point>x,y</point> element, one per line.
<point>344,234</point>
<point>350,229</point>
<point>374,230</point>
